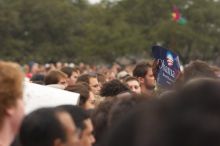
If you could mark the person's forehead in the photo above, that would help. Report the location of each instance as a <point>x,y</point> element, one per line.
<point>66,120</point>
<point>132,82</point>
<point>93,80</point>
<point>75,73</point>
<point>62,78</point>
<point>149,71</point>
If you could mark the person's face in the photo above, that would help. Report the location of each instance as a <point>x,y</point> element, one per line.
<point>73,78</point>
<point>35,68</point>
<point>87,138</point>
<point>111,76</point>
<point>72,138</point>
<point>94,85</point>
<point>90,103</point>
<point>63,81</point>
<point>149,79</point>
<point>134,86</point>
<point>58,65</point>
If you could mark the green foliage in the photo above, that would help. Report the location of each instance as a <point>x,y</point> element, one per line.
<point>74,30</point>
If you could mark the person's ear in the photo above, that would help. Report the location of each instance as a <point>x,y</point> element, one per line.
<point>141,80</point>
<point>58,142</point>
<point>10,111</point>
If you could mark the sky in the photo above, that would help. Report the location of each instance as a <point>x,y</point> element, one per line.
<point>94,1</point>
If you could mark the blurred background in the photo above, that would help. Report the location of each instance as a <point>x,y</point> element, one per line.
<point>106,30</point>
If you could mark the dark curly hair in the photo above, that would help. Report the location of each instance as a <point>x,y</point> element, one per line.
<point>113,88</point>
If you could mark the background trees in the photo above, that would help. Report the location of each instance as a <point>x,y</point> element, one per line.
<point>74,30</point>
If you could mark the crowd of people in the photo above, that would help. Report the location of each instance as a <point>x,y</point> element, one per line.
<point>118,106</point>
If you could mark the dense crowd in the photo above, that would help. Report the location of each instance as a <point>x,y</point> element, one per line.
<point>118,106</point>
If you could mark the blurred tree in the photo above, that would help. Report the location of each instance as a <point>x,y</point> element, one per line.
<point>197,39</point>
<point>74,30</point>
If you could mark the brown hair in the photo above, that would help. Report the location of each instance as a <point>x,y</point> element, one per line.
<point>101,78</point>
<point>54,76</point>
<point>67,70</point>
<point>11,86</point>
<point>197,68</point>
<point>85,77</point>
<point>83,89</point>
<point>141,69</point>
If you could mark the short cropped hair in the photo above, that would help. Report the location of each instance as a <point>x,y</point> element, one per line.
<point>122,106</point>
<point>198,69</point>
<point>11,86</point>
<point>141,69</point>
<point>78,114</point>
<point>41,128</point>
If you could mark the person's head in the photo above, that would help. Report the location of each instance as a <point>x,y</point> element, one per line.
<point>100,118</point>
<point>216,70</point>
<point>67,70</point>
<point>101,79</point>
<point>11,96</point>
<point>122,106</point>
<point>56,77</point>
<point>143,72</point>
<point>35,68</point>
<point>133,84</point>
<point>91,79</point>
<point>38,79</point>
<point>122,75</point>
<point>48,127</point>
<point>75,74</point>
<point>126,131</point>
<point>196,69</point>
<point>113,88</point>
<point>83,123</point>
<point>58,65</point>
<point>72,74</point>
<point>87,99</point>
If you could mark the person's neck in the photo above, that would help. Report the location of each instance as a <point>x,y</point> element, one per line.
<point>146,91</point>
<point>6,134</point>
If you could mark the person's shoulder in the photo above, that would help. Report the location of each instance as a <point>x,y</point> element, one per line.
<point>58,86</point>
